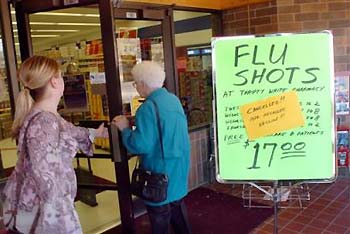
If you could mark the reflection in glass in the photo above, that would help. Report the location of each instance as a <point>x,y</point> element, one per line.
<point>8,149</point>
<point>137,41</point>
<point>5,106</point>
<point>194,68</point>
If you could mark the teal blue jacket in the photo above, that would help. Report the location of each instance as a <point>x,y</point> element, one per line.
<point>144,141</point>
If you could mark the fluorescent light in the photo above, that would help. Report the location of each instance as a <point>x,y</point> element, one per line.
<point>38,23</point>
<point>64,14</point>
<point>92,15</point>
<point>50,30</point>
<point>79,24</point>
<point>54,30</point>
<point>42,35</point>
<point>62,24</point>
<point>67,14</point>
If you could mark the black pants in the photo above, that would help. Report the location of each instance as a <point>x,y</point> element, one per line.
<point>174,213</point>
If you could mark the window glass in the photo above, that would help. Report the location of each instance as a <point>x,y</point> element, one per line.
<point>193,51</point>
<point>5,106</point>
<point>137,40</point>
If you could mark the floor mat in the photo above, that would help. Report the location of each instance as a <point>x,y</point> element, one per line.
<point>212,212</point>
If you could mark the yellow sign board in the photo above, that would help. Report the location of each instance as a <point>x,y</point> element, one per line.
<point>272,115</point>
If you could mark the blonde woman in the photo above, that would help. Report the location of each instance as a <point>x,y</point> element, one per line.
<point>39,195</point>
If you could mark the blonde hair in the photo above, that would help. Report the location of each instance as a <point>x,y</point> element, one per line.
<point>34,74</point>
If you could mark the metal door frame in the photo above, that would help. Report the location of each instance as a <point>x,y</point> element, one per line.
<point>9,52</point>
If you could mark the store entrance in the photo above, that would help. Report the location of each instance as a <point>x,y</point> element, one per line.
<point>97,43</point>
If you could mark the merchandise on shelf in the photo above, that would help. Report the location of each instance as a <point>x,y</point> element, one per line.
<point>342,95</point>
<point>343,117</point>
<point>74,96</point>
<point>5,119</point>
<point>88,56</point>
<point>343,156</point>
<point>5,106</point>
<point>195,85</point>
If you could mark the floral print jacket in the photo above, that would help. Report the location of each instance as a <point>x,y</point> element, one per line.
<point>45,172</point>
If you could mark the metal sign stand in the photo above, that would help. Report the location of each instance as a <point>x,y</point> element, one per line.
<point>276,197</point>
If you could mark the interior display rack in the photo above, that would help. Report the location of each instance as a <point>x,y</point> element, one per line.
<point>342,109</point>
<point>5,106</point>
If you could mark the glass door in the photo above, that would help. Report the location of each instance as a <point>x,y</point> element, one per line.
<point>137,41</point>
<point>5,105</point>
<point>72,37</point>
<point>135,46</point>
<point>8,91</point>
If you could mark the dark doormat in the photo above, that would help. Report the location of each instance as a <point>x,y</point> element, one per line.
<point>212,212</point>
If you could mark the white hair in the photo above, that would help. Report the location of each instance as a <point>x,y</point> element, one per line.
<point>150,73</point>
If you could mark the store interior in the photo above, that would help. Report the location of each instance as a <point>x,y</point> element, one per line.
<point>73,37</point>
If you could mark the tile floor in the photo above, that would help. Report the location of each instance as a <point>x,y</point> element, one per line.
<point>327,211</point>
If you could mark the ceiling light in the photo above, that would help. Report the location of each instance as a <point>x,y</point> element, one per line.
<point>79,24</point>
<point>63,14</point>
<point>50,30</point>
<point>62,24</point>
<point>92,15</point>
<point>42,35</point>
<point>54,30</point>
<point>67,14</point>
<point>38,23</point>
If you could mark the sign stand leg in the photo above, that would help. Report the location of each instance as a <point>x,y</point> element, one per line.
<point>275,197</point>
<point>275,205</point>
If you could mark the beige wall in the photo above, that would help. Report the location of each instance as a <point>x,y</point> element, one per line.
<point>193,38</point>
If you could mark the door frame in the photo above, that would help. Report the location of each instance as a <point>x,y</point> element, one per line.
<point>9,52</point>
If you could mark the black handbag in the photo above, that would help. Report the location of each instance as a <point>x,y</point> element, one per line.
<point>148,185</point>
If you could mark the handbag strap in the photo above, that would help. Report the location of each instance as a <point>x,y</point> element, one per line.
<point>159,127</point>
<point>159,132</point>
<point>19,185</point>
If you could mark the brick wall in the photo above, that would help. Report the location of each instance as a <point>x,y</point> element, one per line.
<point>200,170</point>
<point>295,16</point>
<point>251,19</point>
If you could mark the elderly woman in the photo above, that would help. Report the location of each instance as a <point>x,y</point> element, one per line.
<point>144,141</point>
